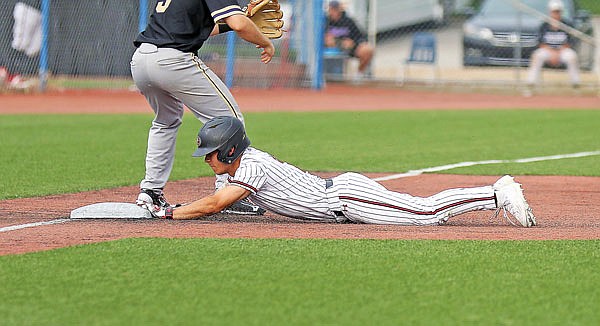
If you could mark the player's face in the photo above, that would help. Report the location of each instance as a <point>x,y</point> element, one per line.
<point>217,166</point>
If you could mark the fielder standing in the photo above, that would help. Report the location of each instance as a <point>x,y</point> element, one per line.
<point>168,72</point>
<point>286,190</point>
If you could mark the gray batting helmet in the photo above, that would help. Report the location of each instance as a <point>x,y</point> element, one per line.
<point>222,134</point>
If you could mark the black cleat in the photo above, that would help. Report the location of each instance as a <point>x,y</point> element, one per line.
<point>150,196</point>
<point>243,207</point>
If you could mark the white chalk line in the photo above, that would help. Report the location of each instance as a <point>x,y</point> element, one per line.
<point>31,225</point>
<point>410,173</point>
<point>413,173</point>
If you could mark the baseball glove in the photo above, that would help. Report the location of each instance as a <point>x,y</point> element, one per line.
<point>266,15</point>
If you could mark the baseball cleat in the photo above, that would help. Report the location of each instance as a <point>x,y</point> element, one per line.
<point>148,197</point>
<point>509,197</point>
<point>243,207</point>
<point>505,180</point>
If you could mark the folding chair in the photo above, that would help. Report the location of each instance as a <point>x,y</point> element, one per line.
<point>423,51</point>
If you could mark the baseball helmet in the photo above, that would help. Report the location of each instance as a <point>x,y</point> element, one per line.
<point>222,134</point>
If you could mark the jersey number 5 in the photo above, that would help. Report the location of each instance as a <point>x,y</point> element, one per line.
<point>161,6</point>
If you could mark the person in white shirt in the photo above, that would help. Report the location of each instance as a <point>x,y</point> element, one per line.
<point>284,189</point>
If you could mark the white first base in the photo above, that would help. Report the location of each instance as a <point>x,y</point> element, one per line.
<point>110,210</point>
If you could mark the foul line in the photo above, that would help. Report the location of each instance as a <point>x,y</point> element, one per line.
<point>30,225</point>
<point>412,173</point>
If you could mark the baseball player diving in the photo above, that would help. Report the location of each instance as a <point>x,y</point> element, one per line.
<point>350,197</point>
<point>167,71</point>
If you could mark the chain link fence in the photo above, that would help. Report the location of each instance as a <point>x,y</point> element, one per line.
<point>476,44</point>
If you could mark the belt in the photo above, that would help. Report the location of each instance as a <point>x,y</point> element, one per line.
<point>328,184</point>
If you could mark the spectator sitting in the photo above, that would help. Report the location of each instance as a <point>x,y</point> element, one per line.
<point>343,33</point>
<point>554,48</point>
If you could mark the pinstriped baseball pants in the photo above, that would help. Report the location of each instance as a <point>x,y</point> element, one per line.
<point>363,200</point>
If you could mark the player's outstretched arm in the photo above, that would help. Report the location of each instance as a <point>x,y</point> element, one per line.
<point>248,31</point>
<point>211,204</point>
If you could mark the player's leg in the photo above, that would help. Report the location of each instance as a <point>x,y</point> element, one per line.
<point>206,95</point>
<point>152,80</point>
<point>569,57</point>
<point>538,58</point>
<point>366,201</point>
<point>364,53</point>
<point>162,138</point>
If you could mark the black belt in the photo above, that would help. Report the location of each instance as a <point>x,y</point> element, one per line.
<point>328,184</point>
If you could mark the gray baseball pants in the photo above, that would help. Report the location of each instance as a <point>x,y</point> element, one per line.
<point>170,79</point>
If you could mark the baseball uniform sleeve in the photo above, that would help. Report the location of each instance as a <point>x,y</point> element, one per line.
<point>250,177</point>
<point>221,9</point>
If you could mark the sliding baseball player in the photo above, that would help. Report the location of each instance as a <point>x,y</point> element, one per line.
<point>285,189</point>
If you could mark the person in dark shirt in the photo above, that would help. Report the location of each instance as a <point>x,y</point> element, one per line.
<point>167,71</point>
<point>554,48</point>
<point>343,33</point>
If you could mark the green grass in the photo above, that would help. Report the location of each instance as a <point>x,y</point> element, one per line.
<point>49,154</point>
<point>591,5</point>
<point>300,282</point>
<point>304,282</point>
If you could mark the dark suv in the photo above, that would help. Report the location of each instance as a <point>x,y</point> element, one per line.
<point>499,35</point>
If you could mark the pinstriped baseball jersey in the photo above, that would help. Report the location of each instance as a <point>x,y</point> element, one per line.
<point>284,189</point>
<point>281,187</point>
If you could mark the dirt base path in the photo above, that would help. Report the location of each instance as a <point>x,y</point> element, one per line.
<point>565,208</point>
<point>336,97</point>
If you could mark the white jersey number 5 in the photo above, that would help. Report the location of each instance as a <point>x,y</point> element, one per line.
<point>161,6</point>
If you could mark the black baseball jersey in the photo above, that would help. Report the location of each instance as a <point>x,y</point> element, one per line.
<point>555,38</point>
<point>185,24</point>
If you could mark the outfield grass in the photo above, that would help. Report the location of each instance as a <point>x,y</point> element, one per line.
<point>50,154</point>
<point>304,282</point>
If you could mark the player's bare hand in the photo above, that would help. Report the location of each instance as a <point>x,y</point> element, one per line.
<point>158,211</point>
<point>267,53</point>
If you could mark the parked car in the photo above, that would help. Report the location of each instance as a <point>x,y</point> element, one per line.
<point>395,14</point>
<point>498,34</point>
